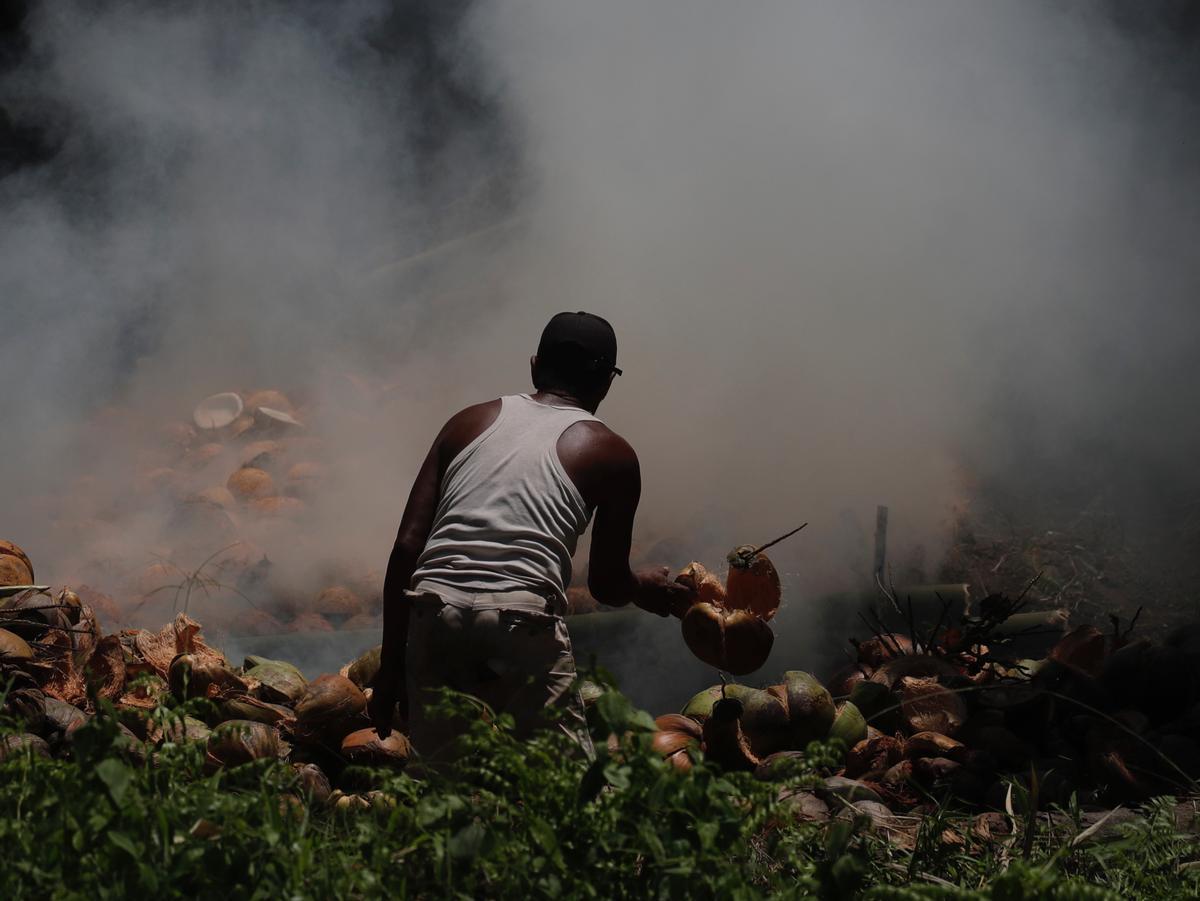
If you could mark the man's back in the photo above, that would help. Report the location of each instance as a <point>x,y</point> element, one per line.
<point>508,516</point>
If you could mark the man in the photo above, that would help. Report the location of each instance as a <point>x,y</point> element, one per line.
<point>486,541</point>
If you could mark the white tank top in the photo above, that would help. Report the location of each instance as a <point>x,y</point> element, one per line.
<point>509,516</point>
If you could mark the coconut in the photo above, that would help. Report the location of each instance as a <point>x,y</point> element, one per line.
<point>13,571</point>
<point>196,676</point>
<point>277,507</point>
<point>331,708</point>
<point>279,682</point>
<point>876,651</point>
<point>724,741</point>
<point>269,397</point>
<point>872,757</point>
<point>676,737</point>
<point>72,605</point>
<point>1082,649</point>
<point>877,704</point>
<point>701,704</point>
<point>262,454</point>
<point>934,744</point>
<point>677,722</point>
<point>892,671</point>
<point>363,622</point>
<point>364,747</point>
<point>810,707</point>
<point>365,668</point>
<point>843,681</point>
<point>236,742</point>
<point>849,725</point>
<point>105,668</point>
<point>927,706</point>
<point>8,549</point>
<point>31,614</point>
<point>779,766</point>
<point>337,601</point>
<point>255,622</point>
<point>62,717</point>
<point>16,745</point>
<point>706,586</point>
<point>735,641</point>
<point>310,622</point>
<point>269,419</point>
<point>312,782</point>
<point>200,457</point>
<point>765,722</point>
<point>188,730</point>
<point>249,483</point>
<point>217,411</point>
<point>752,583</point>
<point>246,707</point>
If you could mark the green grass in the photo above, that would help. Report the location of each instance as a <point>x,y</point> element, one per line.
<point>515,820</point>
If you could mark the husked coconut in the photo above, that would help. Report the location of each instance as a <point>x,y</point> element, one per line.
<point>200,457</point>
<point>262,454</point>
<point>249,482</point>
<point>927,706</point>
<point>236,742</point>
<point>752,583</point>
<point>218,495</point>
<point>338,601</point>
<point>310,622</point>
<point>8,549</point>
<point>217,411</point>
<point>13,571</point>
<point>330,709</point>
<point>276,507</point>
<point>364,747</point>
<point>304,478</point>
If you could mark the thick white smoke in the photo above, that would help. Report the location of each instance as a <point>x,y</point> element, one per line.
<point>846,247</point>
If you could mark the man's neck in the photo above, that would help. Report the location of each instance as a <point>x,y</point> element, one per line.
<point>556,398</point>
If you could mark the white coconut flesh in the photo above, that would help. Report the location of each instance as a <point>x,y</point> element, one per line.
<point>218,411</point>
<point>268,416</point>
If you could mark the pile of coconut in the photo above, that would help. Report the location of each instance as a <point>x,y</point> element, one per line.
<point>60,665</point>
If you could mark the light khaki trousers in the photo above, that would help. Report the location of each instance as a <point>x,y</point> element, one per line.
<point>509,649</point>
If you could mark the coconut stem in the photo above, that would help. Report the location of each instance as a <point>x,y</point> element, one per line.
<point>772,543</point>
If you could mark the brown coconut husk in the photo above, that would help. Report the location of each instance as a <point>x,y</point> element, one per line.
<point>934,744</point>
<point>105,668</point>
<point>250,482</point>
<point>724,741</point>
<point>1082,649</point>
<point>13,571</point>
<point>277,507</point>
<point>752,583</point>
<point>872,757</point>
<point>364,747</point>
<point>9,549</point>
<point>331,708</point>
<point>236,742</point>
<point>927,706</point>
<point>182,636</point>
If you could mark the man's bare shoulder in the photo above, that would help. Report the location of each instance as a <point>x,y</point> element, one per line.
<point>590,450</point>
<point>465,426</point>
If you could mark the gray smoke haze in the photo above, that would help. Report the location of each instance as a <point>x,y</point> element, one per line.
<point>855,253</point>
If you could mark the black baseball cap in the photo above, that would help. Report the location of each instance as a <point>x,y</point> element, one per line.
<point>582,340</point>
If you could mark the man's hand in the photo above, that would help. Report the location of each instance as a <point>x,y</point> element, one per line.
<point>388,691</point>
<point>657,593</point>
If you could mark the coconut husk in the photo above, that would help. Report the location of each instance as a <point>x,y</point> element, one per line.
<point>262,454</point>
<point>199,676</point>
<point>277,682</point>
<point>200,457</point>
<point>724,741</point>
<point>182,636</point>
<point>1082,649</point>
<point>9,549</point>
<point>145,696</point>
<point>810,707</point>
<point>920,665</point>
<point>876,651</point>
<point>701,704</point>
<point>707,587</point>
<point>105,668</point>
<point>363,622</point>
<point>849,725</point>
<point>303,478</point>
<point>765,722</point>
<point>927,706</point>
<point>363,670</point>
<point>872,757</point>
<point>277,507</point>
<point>250,482</point>
<point>247,707</point>
<point>752,583</point>
<point>934,744</point>
<point>104,608</point>
<point>14,571</point>
<point>312,782</point>
<point>364,747</point>
<point>842,682</point>
<point>25,743</point>
<point>677,722</point>
<point>330,709</point>
<point>236,742</point>
<point>337,600</point>
<point>310,622</point>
